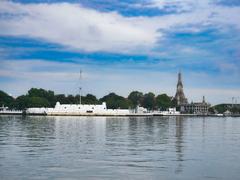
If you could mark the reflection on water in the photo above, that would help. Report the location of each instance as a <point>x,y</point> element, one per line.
<point>119,147</point>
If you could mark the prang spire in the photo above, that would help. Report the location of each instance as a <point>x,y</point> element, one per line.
<point>180,79</point>
<point>180,97</point>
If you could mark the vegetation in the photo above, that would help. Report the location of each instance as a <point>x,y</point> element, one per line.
<point>45,98</point>
<point>149,101</point>
<point>136,98</point>
<point>221,108</point>
<point>164,102</point>
<point>114,101</point>
<point>23,102</point>
<point>6,100</point>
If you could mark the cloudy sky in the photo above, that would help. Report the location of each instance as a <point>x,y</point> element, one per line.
<point>121,45</point>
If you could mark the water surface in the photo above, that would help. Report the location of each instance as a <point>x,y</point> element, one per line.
<point>119,148</point>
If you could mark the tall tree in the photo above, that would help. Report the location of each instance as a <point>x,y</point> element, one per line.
<point>149,101</point>
<point>6,100</point>
<point>163,101</point>
<point>21,102</point>
<point>47,94</point>
<point>61,98</point>
<point>71,99</point>
<point>91,99</point>
<point>136,98</point>
<point>37,102</point>
<point>115,101</point>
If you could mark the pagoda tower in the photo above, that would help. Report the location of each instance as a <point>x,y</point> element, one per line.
<point>180,97</point>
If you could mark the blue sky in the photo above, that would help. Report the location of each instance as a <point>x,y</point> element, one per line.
<point>121,46</point>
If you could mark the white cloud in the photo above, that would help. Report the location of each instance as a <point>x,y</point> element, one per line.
<point>81,28</point>
<point>74,26</point>
<point>177,5</point>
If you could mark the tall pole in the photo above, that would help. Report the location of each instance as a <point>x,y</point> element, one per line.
<point>80,88</point>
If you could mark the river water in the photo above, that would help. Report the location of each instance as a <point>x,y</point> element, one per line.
<point>119,147</point>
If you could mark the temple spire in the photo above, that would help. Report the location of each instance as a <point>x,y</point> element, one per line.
<point>179,83</point>
<point>180,97</point>
<point>179,77</point>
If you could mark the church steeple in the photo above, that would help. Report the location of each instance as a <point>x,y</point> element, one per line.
<point>180,97</point>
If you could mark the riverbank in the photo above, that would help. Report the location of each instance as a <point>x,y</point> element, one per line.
<point>22,113</point>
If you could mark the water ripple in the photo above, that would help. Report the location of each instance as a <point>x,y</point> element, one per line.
<point>119,148</point>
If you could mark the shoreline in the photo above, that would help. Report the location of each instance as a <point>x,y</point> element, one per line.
<point>119,115</point>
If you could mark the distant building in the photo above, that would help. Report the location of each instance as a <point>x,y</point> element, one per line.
<point>200,108</point>
<point>180,97</point>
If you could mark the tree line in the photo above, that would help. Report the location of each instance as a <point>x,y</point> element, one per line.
<point>38,97</point>
<point>222,108</point>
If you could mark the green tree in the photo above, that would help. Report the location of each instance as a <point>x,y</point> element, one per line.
<point>21,102</point>
<point>71,99</point>
<point>91,99</point>
<point>163,101</point>
<point>88,99</point>
<point>136,98</point>
<point>6,100</point>
<point>149,101</point>
<point>61,98</point>
<point>211,110</point>
<point>114,101</point>
<point>221,108</point>
<point>235,110</point>
<point>47,94</point>
<point>37,102</point>
<point>174,103</point>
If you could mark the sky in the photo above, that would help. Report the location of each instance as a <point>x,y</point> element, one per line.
<point>121,46</point>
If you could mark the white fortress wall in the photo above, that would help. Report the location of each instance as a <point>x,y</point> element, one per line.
<point>36,110</point>
<point>85,109</point>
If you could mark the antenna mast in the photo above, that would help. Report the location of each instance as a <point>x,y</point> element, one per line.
<point>80,88</point>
